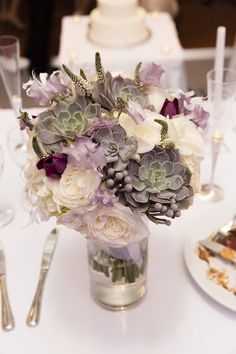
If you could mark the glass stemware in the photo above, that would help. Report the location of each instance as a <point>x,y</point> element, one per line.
<point>221,96</point>
<point>6,213</point>
<point>10,73</point>
<point>10,70</point>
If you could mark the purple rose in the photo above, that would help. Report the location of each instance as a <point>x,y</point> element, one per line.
<point>170,108</point>
<point>54,165</point>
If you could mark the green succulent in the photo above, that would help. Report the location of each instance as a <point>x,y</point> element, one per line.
<point>68,118</point>
<point>156,174</point>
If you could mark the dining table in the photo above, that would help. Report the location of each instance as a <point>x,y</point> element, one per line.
<point>176,316</point>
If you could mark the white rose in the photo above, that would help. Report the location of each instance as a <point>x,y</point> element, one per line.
<point>186,136</point>
<point>75,188</point>
<point>36,189</point>
<point>35,179</point>
<point>116,225</point>
<point>193,162</point>
<point>147,133</point>
<point>47,208</point>
<point>33,176</point>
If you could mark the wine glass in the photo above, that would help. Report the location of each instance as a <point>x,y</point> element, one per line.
<point>10,73</point>
<point>221,96</point>
<point>6,213</point>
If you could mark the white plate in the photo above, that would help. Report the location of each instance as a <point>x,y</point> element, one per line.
<point>198,270</point>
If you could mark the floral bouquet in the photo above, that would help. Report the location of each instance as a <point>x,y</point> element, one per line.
<point>108,152</point>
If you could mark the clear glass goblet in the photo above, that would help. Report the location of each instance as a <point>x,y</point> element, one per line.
<point>6,213</point>
<point>11,77</point>
<point>221,98</point>
<point>10,70</point>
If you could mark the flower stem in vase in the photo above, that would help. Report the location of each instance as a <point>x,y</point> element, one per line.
<point>118,269</point>
<point>117,283</point>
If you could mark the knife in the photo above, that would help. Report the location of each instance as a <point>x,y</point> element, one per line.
<point>48,251</point>
<point>220,250</point>
<point>8,322</point>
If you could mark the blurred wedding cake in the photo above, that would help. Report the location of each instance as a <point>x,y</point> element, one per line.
<point>118,23</point>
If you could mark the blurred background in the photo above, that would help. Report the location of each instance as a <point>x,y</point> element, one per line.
<point>38,25</point>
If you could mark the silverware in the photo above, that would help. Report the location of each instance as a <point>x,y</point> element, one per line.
<point>8,322</point>
<point>224,252</point>
<point>224,230</point>
<point>49,248</point>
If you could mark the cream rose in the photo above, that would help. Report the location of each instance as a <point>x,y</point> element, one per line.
<point>116,225</point>
<point>36,189</point>
<point>75,188</point>
<point>193,162</point>
<point>35,186</point>
<point>186,136</point>
<point>34,177</point>
<point>147,133</point>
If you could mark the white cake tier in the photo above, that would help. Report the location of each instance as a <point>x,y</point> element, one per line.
<point>120,32</point>
<point>117,8</point>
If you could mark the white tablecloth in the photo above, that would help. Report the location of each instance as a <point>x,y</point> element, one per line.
<point>162,47</point>
<point>176,317</point>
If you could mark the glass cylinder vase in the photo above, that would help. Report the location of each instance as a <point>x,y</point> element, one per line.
<point>118,274</point>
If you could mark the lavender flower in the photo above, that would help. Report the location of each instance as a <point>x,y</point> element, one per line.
<point>135,111</point>
<point>104,196</point>
<point>85,154</point>
<point>44,89</point>
<point>170,108</point>
<point>189,105</point>
<point>185,101</point>
<point>200,116</point>
<point>101,123</point>
<point>54,165</point>
<point>151,75</point>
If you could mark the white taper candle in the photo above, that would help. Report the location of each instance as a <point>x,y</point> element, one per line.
<point>220,53</point>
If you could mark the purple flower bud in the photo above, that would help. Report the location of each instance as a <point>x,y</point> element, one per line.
<point>170,108</point>
<point>54,165</point>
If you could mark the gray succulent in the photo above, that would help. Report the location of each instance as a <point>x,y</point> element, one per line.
<point>67,119</point>
<point>117,147</point>
<point>161,185</point>
<point>113,92</point>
